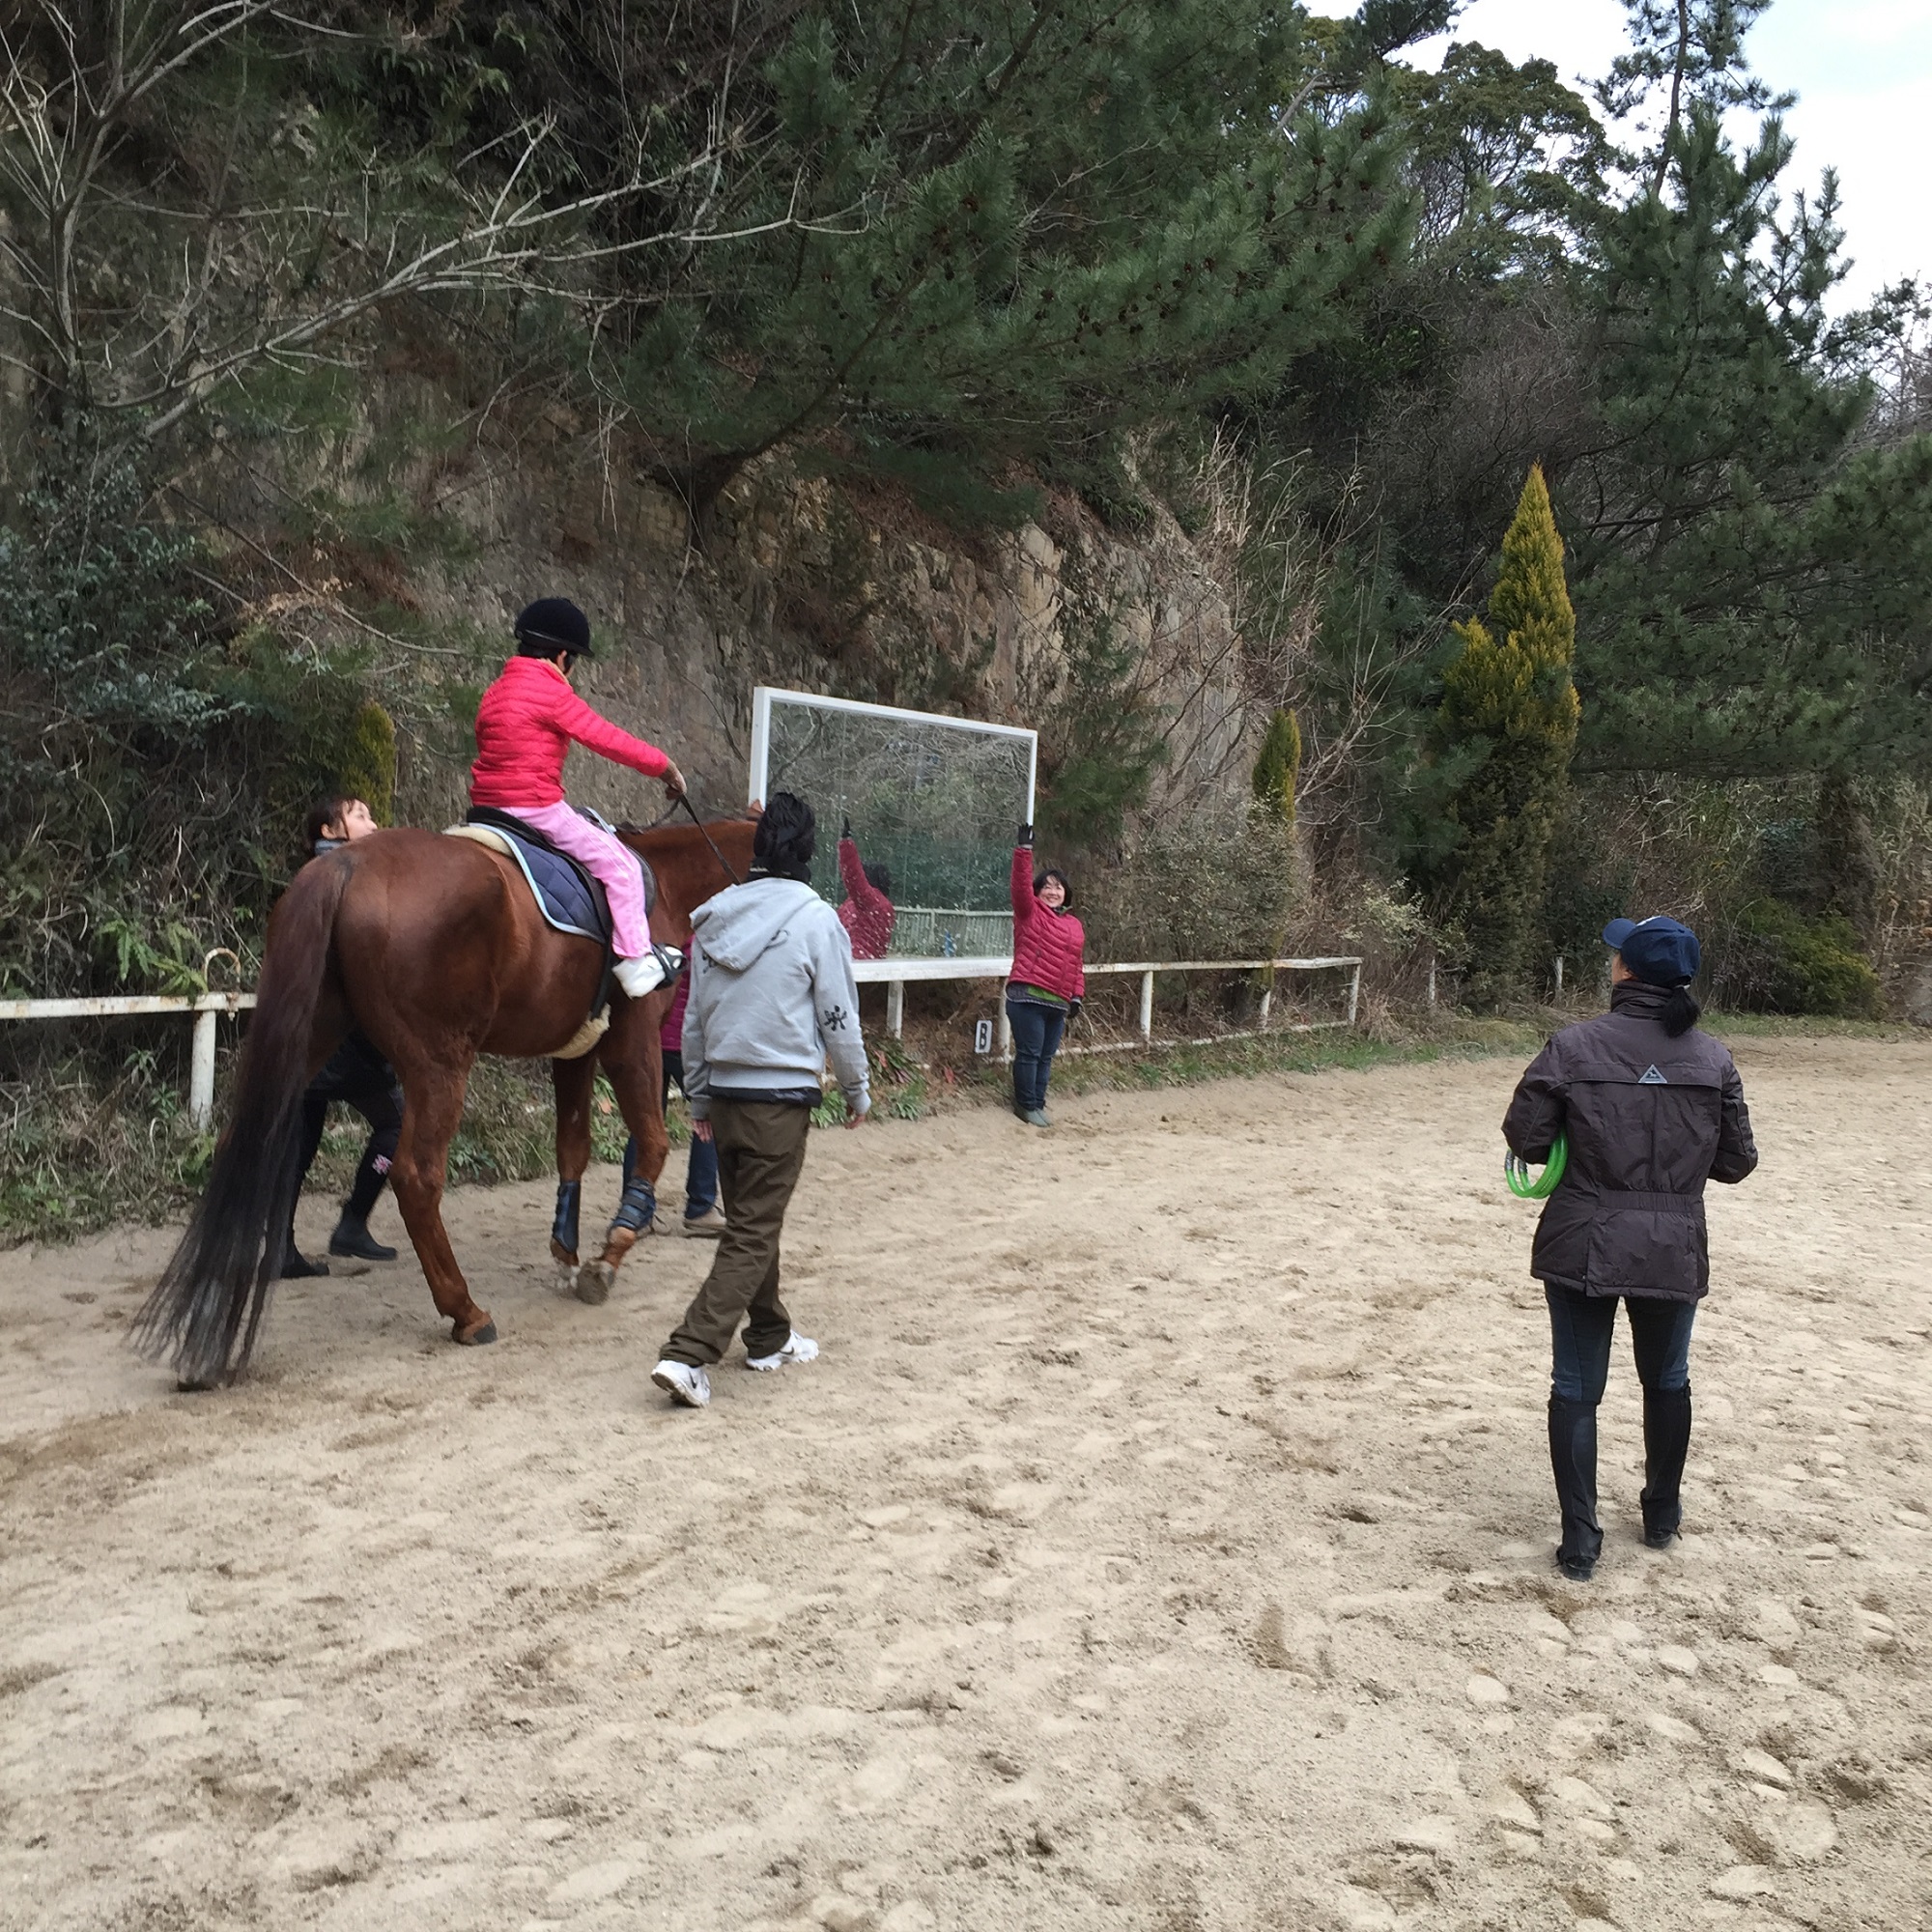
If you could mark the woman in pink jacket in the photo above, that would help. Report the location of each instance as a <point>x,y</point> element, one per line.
<point>525,725</point>
<point>1047,983</point>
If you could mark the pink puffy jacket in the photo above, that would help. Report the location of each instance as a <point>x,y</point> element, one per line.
<point>525,726</point>
<point>1047,946</point>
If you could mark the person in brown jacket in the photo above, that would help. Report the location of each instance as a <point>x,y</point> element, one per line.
<point>1652,1109</point>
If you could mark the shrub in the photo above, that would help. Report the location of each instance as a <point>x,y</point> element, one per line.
<point>1791,963</point>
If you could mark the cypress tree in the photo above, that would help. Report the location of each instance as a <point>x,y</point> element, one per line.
<point>1510,710</point>
<point>1278,767</point>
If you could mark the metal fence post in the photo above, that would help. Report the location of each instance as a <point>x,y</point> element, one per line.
<point>201,1072</point>
<point>1354,991</point>
<point>894,1006</point>
<point>1004,1035</point>
<point>1432,979</point>
<point>1559,976</point>
<point>1147,1007</point>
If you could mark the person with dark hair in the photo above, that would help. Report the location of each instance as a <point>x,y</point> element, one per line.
<point>526,725</point>
<point>867,911</point>
<point>772,1000</point>
<point>1047,982</point>
<point>356,1075</point>
<point>334,820</point>
<point>1651,1109</point>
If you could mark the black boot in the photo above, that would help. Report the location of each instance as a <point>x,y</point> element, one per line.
<point>351,1236</point>
<point>1572,1461</point>
<point>1667,1441</point>
<point>296,1267</point>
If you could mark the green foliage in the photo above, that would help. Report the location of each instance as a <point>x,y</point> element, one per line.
<point>150,765</point>
<point>1278,768</point>
<point>368,765</point>
<point>1797,964</point>
<point>1508,696</point>
<point>962,232</point>
<point>1100,742</point>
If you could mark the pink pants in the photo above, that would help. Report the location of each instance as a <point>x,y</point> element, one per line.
<point>605,858</point>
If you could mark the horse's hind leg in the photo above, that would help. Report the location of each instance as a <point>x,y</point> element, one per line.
<point>431,1110</point>
<point>632,1058</point>
<point>573,1081</point>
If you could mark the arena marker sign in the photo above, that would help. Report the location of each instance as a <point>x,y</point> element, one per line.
<point>1516,1171</point>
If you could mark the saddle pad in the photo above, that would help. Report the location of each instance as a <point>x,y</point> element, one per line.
<point>569,898</point>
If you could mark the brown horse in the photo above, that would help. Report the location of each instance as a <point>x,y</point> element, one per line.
<point>433,947</point>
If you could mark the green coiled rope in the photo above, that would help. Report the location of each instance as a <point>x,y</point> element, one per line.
<point>1516,1171</point>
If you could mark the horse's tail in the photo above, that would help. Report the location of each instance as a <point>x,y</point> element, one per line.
<point>216,1286</point>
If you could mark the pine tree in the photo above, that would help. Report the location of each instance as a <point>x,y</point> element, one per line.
<point>1508,701</point>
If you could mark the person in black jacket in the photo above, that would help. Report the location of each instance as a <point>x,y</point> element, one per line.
<point>355,1076</point>
<point>1652,1109</point>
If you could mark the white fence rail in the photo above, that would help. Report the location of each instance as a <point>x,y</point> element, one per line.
<point>205,1008</point>
<point>892,973</point>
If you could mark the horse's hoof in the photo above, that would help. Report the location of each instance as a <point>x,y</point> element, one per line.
<point>477,1337</point>
<point>594,1282</point>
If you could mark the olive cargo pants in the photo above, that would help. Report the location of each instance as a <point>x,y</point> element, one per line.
<point>760,1154</point>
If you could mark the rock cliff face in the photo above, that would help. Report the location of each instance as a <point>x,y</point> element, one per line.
<point>821,587</point>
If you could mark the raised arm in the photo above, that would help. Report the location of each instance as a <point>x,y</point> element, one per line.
<point>595,732</point>
<point>852,871</point>
<point>1025,905</point>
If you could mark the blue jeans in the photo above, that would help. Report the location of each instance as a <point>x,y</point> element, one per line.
<point>700,1174</point>
<point>1580,1329</point>
<point>1037,1031</point>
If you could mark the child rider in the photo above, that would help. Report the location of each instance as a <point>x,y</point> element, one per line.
<point>525,726</point>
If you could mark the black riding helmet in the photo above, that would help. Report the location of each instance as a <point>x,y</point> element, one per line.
<point>550,625</point>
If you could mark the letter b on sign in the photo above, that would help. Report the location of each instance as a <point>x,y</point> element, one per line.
<point>982,1035</point>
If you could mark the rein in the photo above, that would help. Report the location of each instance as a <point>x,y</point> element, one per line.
<point>683,799</point>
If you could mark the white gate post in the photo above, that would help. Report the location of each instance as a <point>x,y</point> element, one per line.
<point>201,1072</point>
<point>1147,1007</point>
<point>894,1006</point>
<point>1354,992</point>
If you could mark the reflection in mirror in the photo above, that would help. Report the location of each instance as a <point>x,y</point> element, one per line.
<point>933,803</point>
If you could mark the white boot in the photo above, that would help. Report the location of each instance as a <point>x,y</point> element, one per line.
<point>647,973</point>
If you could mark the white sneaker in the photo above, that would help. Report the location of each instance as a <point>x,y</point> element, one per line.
<point>685,1385</point>
<point>642,976</point>
<point>797,1348</point>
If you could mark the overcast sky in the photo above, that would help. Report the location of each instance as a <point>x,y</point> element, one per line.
<point>1863,74</point>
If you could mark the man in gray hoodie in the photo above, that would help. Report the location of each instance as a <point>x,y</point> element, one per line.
<point>772,1000</point>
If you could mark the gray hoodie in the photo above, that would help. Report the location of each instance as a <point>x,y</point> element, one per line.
<point>772,998</point>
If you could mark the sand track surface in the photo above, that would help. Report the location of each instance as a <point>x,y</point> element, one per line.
<point>1162,1542</point>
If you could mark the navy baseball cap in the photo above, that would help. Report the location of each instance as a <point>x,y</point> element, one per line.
<point>1659,951</point>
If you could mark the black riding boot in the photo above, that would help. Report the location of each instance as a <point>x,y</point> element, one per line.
<point>352,1236</point>
<point>1667,1441</point>
<point>1572,1461</point>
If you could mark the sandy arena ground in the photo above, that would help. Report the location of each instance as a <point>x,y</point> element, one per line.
<point>1162,1542</point>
